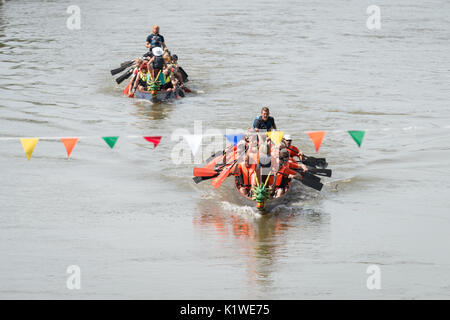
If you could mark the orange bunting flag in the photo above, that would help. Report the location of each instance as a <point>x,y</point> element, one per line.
<point>317,138</point>
<point>154,140</point>
<point>28,145</point>
<point>69,143</point>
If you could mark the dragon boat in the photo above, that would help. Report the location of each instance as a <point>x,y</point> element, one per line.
<point>155,93</point>
<point>261,194</point>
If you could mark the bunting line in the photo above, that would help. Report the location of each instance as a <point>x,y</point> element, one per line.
<point>410,128</point>
<point>195,141</point>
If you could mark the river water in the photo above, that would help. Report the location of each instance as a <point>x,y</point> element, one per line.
<point>136,224</point>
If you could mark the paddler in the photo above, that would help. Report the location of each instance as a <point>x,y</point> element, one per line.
<point>245,173</point>
<point>264,121</point>
<point>176,70</point>
<point>284,175</point>
<point>137,64</point>
<point>293,150</point>
<point>140,82</point>
<point>156,65</point>
<point>155,39</point>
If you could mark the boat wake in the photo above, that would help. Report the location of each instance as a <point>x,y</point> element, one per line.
<point>242,210</point>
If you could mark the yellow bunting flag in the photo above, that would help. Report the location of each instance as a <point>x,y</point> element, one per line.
<point>28,145</point>
<point>69,143</point>
<point>275,136</point>
<point>317,138</point>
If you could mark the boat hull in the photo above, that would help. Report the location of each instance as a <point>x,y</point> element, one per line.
<point>160,95</point>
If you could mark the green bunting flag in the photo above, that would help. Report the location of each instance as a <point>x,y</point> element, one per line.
<point>357,136</point>
<point>111,141</point>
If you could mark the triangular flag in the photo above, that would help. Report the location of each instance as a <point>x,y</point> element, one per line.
<point>357,136</point>
<point>154,140</point>
<point>111,141</point>
<point>317,137</point>
<point>275,136</point>
<point>28,145</point>
<point>234,138</point>
<point>194,141</point>
<point>69,143</point>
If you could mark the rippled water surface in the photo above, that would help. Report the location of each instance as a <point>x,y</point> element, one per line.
<point>138,226</point>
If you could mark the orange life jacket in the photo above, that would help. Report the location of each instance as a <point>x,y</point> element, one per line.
<point>246,175</point>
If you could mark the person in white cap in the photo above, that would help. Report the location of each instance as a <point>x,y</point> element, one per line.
<point>156,64</point>
<point>293,152</point>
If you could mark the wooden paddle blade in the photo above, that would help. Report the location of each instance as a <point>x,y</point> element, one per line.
<point>217,182</point>
<point>204,172</point>
<point>186,89</point>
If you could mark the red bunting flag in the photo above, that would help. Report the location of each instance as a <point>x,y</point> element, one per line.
<point>69,143</point>
<point>317,138</point>
<point>154,140</point>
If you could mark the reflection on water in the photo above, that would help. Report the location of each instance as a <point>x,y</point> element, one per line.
<point>263,240</point>
<point>147,110</point>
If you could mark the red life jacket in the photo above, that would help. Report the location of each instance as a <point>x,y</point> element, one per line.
<point>282,176</point>
<point>293,151</point>
<point>292,164</point>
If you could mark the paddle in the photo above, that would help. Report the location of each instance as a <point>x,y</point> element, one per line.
<point>213,164</point>
<point>197,180</point>
<point>307,181</point>
<point>213,156</point>
<point>216,183</point>
<point>184,75</point>
<point>126,63</point>
<point>315,162</point>
<point>204,172</point>
<point>126,75</point>
<point>121,68</point>
<point>206,175</point>
<point>307,174</point>
<point>126,90</point>
<point>320,172</point>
